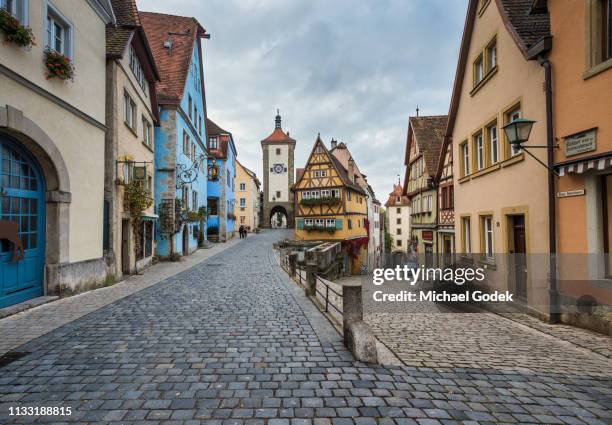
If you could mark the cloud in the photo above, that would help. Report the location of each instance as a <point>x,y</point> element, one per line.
<point>352,70</point>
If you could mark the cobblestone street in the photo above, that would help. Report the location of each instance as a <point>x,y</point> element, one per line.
<point>233,340</point>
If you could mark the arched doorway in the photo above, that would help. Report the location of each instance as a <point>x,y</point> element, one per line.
<point>22,224</point>
<point>279,218</point>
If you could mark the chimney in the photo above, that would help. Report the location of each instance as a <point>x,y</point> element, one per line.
<point>351,170</point>
<point>334,143</point>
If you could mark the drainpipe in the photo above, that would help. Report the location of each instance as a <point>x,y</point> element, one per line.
<point>554,316</point>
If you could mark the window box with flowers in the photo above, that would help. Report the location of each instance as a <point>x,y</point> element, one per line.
<point>58,66</point>
<point>14,31</point>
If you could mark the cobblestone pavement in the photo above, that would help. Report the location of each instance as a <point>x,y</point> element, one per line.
<point>233,341</point>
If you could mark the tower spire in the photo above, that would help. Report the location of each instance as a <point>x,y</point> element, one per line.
<point>277,121</point>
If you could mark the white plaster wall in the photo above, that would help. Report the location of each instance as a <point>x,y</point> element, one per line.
<point>278,182</point>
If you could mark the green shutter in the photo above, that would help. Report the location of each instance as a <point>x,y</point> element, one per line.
<point>338,224</point>
<point>300,223</point>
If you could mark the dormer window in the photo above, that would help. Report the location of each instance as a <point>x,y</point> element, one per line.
<point>213,142</point>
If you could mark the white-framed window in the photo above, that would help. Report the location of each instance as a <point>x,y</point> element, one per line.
<point>213,142</point>
<point>487,234</point>
<point>185,143</point>
<point>138,71</point>
<point>242,187</point>
<point>478,70</point>
<point>242,202</point>
<point>129,111</point>
<point>194,200</point>
<point>17,8</point>
<point>147,132</point>
<point>429,203</point>
<point>319,222</point>
<point>325,193</point>
<point>306,194</point>
<point>315,194</point>
<point>185,198</point>
<point>330,222</point>
<point>467,235</point>
<point>512,115</point>
<point>127,172</point>
<point>493,144</point>
<point>58,32</point>
<point>492,55</point>
<point>479,148</point>
<point>309,222</point>
<point>465,155</point>
<point>335,193</point>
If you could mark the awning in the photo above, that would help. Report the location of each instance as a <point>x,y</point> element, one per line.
<point>151,217</point>
<point>582,166</point>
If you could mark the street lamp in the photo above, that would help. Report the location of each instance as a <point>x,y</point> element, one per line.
<point>518,131</point>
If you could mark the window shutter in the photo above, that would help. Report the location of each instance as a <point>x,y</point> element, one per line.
<point>300,223</point>
<point>338,224</point>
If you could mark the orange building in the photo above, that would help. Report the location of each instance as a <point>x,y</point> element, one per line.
<point>581,58</point>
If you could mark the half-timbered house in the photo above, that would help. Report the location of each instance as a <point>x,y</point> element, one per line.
<point>446,206</point>
<point>331,206</point>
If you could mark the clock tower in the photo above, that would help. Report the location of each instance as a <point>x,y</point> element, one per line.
<point>278,173</point>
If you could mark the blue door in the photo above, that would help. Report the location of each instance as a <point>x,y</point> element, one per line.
<point>22,225</point>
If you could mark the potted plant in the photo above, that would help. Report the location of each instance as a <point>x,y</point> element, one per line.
<point>14,31</point>
<point>58,65</point>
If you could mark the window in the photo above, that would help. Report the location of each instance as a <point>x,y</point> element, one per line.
<point>137,70</point>
<point>58,32</point>
<point>599,43</point>
<point>493,144</point>
<point>147,132</point>
<point>185,198</point>
<point>429,203</point>
<point>478,70</point>
<point>242,187</point>
<point>443,197</point>
<point>398,242</point>
<point>213,142</point>
<point>350,223</point>
<point>228,178</point>
<point>491,55</point>
<point>242,202</point>
<point>278,151</point>
<point>278,194</point>
<point>129,109</point>
<point>190,105</point>
<point>399,231</point>
<point>195,114</point>
<point>200,125</point>
<point>512,115</point>
<point>306,194</point>
<point>185,143</point>
<point>466,240</point>
<point>349,195</point>
<point>330,222</point>
<point>465,159</point>
<point>335,193</point>
<point>242,219</point>
<point>193,151</point>
<point>319,222</point>
<point>309,222</point>
<point>487,235</point>
<point>325,193</point>
<point>194,200</point>
<point>479,151</point>
<point>17,8</point>
<point>398,220</point>
<point>398,210</point>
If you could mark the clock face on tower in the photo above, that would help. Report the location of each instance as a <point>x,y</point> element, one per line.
<point>278,168</point>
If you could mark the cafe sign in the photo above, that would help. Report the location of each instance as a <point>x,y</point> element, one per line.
<point>578,143</point>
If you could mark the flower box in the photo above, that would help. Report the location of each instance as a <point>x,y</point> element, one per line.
<point>58,66</point>
<point>15,32</point>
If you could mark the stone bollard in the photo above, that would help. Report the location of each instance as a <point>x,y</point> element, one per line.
<point>292,263</point>
<point>311,280</point>
<point>358,337</point>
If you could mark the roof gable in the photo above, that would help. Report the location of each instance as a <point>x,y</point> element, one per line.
<point>172,40</point>
<point>428,135</point>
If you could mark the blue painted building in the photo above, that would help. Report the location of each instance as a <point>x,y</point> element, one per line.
<point>221,224</point>
<point>180,149</point>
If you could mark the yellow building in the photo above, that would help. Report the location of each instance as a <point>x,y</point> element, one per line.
<point>331,206</point>
<point>500,192</point>
<point>247,197</point>
<point>131,110</point>
<point>423,144</point>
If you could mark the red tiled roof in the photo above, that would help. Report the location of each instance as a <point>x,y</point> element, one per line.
<point>173,63</point>
<point>397,191</point>
<point>428,133</point>
<point>126,12</point>
<point>278,135</point>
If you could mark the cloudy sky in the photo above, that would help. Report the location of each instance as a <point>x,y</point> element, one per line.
<point>354,70</point>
